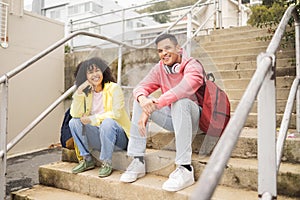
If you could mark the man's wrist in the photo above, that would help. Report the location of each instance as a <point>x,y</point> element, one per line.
<point>138,98</point>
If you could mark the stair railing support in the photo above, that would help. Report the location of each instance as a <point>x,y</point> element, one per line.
<point>297,50</point>
<point>266,126</point>
<point>189,34</point>
<point>3,135</point>
<point>119,77</point>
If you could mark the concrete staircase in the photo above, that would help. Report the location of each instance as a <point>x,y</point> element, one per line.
<point>231,55</point>
<point>238,182</point>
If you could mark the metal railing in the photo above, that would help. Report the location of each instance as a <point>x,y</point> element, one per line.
<point>4,81</point>
<point>3,24</point>
<point>262,85</point>
<point>188,11</point>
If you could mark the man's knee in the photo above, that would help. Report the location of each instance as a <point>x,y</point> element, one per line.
<point>182,102</point>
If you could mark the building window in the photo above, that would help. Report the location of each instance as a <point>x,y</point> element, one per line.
<point>73,10</point>
<point>55,14</point>
<point>85,7</point>
<point>97,8</point>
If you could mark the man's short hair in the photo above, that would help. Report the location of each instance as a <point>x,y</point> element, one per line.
<point>166,36</point>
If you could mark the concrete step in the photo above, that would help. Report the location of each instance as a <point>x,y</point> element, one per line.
<point>280,106</point>
<point>234,44</point>
<point>233,50</point>
<point>252,120</point>
<point>284,82</point>
<point>243,51</point>
<point>211,65</point>
<point>160,164</point>
<point>139,190</point>
<point>237,35</point>
<point>289,72</point>
<point>220,58</point>
<point>41,192</point>
<point>236,94</point>
<point>246,146</point>
<point>161,139</point>
<point>241,29</point>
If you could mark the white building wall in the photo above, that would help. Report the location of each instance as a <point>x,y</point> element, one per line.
<point>35,88</point>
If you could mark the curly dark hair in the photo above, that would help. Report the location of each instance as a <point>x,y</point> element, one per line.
<point>87,65</point>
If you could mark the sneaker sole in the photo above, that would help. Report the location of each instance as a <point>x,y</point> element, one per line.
<point>132,180</point>
<point>104,175</point>
<point>177,189</point>
<point>92,167</point>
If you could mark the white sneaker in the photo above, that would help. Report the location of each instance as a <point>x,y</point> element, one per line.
<point>179,179</point>
<point>134,171</point>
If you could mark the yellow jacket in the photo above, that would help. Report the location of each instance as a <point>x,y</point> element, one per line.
<point>113,102</point>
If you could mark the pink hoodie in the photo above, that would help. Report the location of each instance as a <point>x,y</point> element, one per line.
<point>173,86</point>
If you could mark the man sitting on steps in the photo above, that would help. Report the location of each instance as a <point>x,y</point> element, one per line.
<point>177,110</point>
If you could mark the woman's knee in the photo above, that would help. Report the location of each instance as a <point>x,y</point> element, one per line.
<point>107,122</point>
<point>74,122</point>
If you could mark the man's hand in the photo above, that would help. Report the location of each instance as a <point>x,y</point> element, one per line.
<point>148,105</point>
<point>142,124</point>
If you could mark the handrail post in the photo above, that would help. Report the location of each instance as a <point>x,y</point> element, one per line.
<point>189,34</point>
<point>266,125</point>
<point>219,11</point>
<point>297,51</point>
<point>119,78</point>
<point>3,132</point>
<point>71,41</point>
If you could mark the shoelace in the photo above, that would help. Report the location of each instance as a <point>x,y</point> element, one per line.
<point>133,164</point>
<point>105,164</point>
<point>179,170</point>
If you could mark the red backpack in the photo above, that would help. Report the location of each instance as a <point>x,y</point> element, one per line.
<point>215,107</point>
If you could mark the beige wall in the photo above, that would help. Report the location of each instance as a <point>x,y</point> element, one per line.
<point>35,88</point>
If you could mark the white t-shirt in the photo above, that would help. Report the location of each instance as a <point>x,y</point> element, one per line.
<point>97,106</point>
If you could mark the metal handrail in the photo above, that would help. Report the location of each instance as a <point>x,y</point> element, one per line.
<point>35,122</point>
<point>213,171</point>
<point>191,8</point>
<point>3,24</point>
<point>23,66</point>
<point>4,79</point>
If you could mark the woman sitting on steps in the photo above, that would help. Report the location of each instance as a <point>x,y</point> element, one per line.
<point>99,119</point>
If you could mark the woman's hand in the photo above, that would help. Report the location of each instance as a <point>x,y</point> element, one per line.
<point>85,120</point>
<point>142,124</point>
<point>83,86</point>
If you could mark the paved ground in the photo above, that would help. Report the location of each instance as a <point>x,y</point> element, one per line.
<point>22,171</point>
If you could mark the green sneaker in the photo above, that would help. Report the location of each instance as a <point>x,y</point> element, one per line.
<point>83,166</point>
<point>105,170</point>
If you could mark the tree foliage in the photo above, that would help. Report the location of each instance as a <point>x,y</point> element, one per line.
<point>161,6</point>
<point>161,18</point>
<point>269,14</point>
